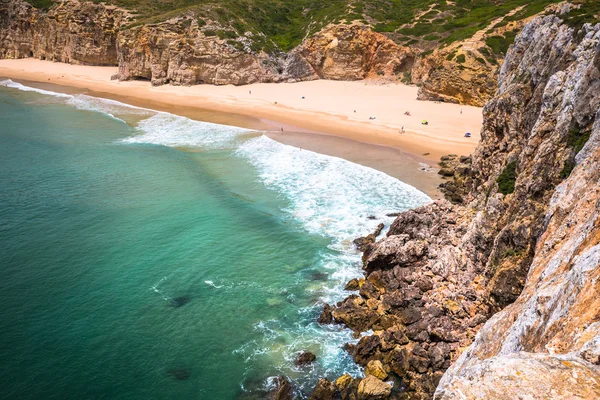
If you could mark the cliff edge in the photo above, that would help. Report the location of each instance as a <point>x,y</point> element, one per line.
<point>501,292</point>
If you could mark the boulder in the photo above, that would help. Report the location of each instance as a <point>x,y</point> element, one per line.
<point>371,388</point>
<point>304,358</point>
<point>375,368</point>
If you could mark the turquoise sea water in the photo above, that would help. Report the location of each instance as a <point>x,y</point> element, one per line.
<point>150,256</point>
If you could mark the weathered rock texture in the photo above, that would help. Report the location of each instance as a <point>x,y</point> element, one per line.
<point>354,52</point>
<point>443,270</point>
<point>466,72</point>
<point>72,32</point>
<point>551,335</point>
<point>472,82</point>
<point>177,51</point>
<point>180,52</point>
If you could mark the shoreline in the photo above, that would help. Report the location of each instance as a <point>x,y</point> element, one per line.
<point>321,121</point>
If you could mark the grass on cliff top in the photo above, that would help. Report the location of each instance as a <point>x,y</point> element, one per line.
<point>283,24</point>
<point>588,12</point>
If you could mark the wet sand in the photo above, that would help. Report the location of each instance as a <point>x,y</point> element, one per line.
<point>322,121</point>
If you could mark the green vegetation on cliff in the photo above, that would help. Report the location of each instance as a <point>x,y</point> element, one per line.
<point>506,180</point>
<point>588,11</point>
<point>284,23</point>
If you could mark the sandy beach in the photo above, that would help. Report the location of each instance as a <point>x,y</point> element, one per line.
<point>363,111</point>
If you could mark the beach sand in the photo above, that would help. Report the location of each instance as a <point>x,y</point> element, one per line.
<point>307,111</point>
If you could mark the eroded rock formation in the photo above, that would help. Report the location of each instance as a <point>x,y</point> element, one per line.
<point>353,52</point>
<point>472,81</point>
<point>179,51</point>
<point>525,247</point>
<point>72,32</point>
<point>551,334</point>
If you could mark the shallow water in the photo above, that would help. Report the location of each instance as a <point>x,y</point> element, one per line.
<point>146,255</point>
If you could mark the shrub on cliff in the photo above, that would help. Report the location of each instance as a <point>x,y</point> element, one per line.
<point>506,180</point>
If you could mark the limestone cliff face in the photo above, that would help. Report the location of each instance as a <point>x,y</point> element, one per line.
<point>178,52</point>
<point>471,82</point>
<point>354,52</point>
<point>527,243</point>
<point>72,32</point>
<point>551,334</point>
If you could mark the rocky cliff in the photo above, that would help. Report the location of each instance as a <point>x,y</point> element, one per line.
<point>179,51</point>
<point>550,336</point>
<point>187,50</point>
<point>523,253</point>
<point>71,32</point>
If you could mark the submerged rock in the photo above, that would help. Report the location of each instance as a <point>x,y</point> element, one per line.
<point>319,276</point>
<point>179,374</point>
<point>180,301</point>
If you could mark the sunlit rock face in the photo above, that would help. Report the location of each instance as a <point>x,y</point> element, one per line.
<point>523,252</point>
<point>547,343</point>
<point>73,32</point>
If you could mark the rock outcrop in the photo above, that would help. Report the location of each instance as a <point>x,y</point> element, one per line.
<point>353,52</point>
<point>524,249</point>
<point>72,32</point>
<point>183,51</point>
<point>179,52</point>
<point>471,80</point>
<point>551,334</point>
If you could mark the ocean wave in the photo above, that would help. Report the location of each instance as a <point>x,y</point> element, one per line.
<point>112,108</point>
<point>175,131</point>
<point>327,196</point>
<point>15,85</point>
<point>330,195</point>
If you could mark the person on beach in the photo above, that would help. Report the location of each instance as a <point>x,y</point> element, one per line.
<point>250,92</point>
<point>282,129</point>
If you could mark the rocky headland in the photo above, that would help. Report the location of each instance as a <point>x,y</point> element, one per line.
<point>496,297</point>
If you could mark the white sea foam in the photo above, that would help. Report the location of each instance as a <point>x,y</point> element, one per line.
<point>9,83</point>
<point>331,196</point>
<point>112,108</point>
<point>175,131</point>
<point>328,196</point>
